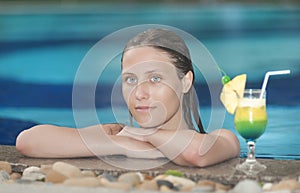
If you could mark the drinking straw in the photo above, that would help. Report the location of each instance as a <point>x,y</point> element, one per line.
<point>270,73</point>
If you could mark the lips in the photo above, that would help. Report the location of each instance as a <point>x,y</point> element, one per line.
<point>144,108</point>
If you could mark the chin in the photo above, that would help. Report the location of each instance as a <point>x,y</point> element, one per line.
<point>150,125</point>
<point>150,120</point>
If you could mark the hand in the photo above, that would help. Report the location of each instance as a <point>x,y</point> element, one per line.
<point>139,134</point>
<point>135,148</point>
<point>144,150</point>
<point>112,128</point>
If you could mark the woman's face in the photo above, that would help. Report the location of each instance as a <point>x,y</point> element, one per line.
<point>151,87</point>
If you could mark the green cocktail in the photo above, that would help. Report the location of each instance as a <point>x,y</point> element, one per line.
<point>249,106</point>
<point>250,121</point>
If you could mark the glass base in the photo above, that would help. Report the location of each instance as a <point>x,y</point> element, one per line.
<point>251,167</point>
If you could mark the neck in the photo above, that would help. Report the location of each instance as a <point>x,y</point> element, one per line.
<point>176,122</point>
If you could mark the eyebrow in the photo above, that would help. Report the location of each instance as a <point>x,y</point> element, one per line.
<point>147,72</point>
<point>127,73</point>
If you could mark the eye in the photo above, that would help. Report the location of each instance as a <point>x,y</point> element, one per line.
<point>155,79</point>
<point>130,80</point>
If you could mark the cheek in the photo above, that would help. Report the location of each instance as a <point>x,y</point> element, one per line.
<point>168,97</point>
<point>170,92</point>
<point>126,93</point>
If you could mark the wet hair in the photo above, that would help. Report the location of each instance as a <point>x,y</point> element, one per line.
<point>169,42</point>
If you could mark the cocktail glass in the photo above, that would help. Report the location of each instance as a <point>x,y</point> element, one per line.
<point>250,121</point>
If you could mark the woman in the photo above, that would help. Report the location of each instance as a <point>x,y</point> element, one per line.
<point>157,86</point>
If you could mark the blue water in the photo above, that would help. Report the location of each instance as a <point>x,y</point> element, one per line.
<point>41,50</point>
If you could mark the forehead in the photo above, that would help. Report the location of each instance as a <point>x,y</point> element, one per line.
<point>145,56</point>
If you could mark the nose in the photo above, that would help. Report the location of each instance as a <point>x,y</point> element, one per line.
<point>142,91</point>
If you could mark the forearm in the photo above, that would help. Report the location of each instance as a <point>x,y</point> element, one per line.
<point>135,148</point>
<point>186,147</point>
<point>169,142</point>
<point>53,141</point>
<point>172,143</point>
<point>219,145</point>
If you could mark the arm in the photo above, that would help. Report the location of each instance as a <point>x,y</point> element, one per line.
<point>198,149</point>
<point>187,147</point>
<point>53,141</point>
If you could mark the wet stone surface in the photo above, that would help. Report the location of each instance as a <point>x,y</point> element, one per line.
<point>17,170</point>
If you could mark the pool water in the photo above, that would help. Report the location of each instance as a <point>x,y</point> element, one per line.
<point>41,50</point>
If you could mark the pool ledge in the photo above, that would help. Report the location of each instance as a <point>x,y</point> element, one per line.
<point>224,172</point>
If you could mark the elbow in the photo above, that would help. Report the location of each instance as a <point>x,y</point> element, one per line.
<point>191,155</point>
<point>26,142</point>
<point>22,144</point>
<point>232,143</point>
<point>195,160</point>
<point>217,148</point>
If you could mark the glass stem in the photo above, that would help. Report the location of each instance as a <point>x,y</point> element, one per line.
<point>251,155</point>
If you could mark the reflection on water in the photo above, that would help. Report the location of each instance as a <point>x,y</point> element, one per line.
<point>250,39</point>
<point>39,59</point>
